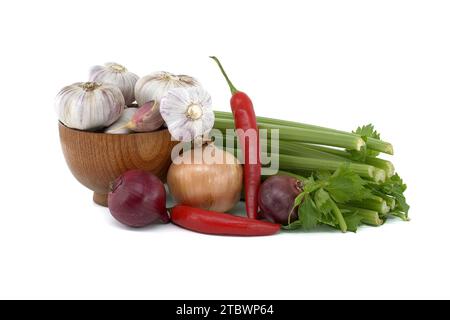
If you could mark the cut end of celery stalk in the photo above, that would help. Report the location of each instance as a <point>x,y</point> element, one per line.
<point>390,149</point>
<point>360,144</point>
<point>369,217</point>
<point>381,146</point>
<point>400,215</point>
<point>389,169</point>
<point>385,165</point>
<point>375,222</point>
<point>385,208</point>
<point>379,175</point>
<point>391,203</point>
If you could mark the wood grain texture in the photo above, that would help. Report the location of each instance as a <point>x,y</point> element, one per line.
<point>97,159</point>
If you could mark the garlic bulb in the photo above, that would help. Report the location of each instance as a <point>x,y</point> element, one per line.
<point>116,74</point>
<point>156,85</point>
<point>89,105</point>
<point>121,125</point>
<point>146,119</point>
<point>187,112</point>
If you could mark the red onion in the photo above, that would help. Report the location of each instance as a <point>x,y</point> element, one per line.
<point>276,198</point>
<point>137,199</point>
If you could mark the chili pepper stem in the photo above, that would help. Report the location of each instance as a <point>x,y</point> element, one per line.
<point>230,84</point>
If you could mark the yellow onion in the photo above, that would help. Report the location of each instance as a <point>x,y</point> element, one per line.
<point>206,177</point>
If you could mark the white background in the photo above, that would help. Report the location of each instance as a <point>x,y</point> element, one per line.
<point>332,63</point>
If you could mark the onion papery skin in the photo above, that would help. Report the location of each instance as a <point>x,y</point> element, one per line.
<point>210,186</point>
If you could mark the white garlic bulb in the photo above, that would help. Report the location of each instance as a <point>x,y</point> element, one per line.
<point>89,105</point>
<point>188,113</point>
<point>116,74</point>
<point>121,126</point>
<point>156,85</point>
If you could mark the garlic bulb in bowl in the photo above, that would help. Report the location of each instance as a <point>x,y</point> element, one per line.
<point>89,105</point>
<point>116,74</point>
<point>187,112</point>
<point>156,85</point>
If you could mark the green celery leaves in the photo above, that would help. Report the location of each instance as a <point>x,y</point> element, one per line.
<point>325,199</point>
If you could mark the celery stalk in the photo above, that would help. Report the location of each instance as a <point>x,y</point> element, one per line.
<point>295,164</point>
<point>372,143</point>
<point>333,151</point>
<point>293,148</point>
<point>297,149</point>
<point>376,162</point>
<point>351,142</point>
<point>369,217</point>
<point>382,164</point>
<point>338,214</point>
<point>302,163</point>
<point>370,204</point>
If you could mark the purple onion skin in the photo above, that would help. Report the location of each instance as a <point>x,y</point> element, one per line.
<point>138,199</point>
<point>276,198</point>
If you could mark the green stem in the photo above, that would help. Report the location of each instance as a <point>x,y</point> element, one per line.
<point>375,198</point>
<point>369,217</point>
<point>376,162</point>
<point>379,145</point>
<point>232,87</point>
<point>338,214</point>
<point>370,204</point>
<point>337,152</point>
<point>291,148</point>
<point>390,201</point>
<point>373,144</point>
<point>382,164</point>
<point>303,135</point>
<point>400,215</point>
<point>298,149</point>
<point>295,164</point>
<point>295,148</point>
<point>301,163</point>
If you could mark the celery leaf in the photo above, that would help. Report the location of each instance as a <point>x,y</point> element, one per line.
<point>367,131</point>
<point>308,214</point>
<point>345,185</point>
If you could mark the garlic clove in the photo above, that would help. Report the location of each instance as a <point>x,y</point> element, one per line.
<point>146,119</point>
<point>187,112</point>
<point>116,74</point>
<point>120,126</point>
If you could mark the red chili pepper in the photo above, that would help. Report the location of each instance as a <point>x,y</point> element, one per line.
<point>245,119</point>
<point>212,222</point>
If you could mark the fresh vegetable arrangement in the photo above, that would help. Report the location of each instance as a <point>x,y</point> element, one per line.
<point>325,177</point>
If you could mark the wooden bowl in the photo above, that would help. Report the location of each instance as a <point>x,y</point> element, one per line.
<point>97,159</point>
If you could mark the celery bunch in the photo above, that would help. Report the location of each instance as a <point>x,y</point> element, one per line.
<point>346,183</point>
